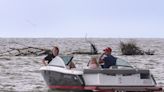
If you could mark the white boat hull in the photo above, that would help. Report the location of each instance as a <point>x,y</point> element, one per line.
<point>58,76</point>
<point>62,78</point>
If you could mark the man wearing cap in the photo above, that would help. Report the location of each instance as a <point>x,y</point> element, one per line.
<point>107,58</point>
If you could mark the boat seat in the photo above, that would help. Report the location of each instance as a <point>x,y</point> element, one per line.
<point>115,71</point>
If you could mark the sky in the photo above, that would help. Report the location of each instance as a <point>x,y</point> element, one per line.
<point>78,18</point>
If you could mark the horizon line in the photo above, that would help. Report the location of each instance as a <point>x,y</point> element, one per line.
<point>86,37</point>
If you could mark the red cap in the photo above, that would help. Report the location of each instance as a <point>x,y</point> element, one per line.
<point>108,49</point>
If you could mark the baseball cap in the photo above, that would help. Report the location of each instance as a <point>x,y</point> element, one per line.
<point>108,49</point>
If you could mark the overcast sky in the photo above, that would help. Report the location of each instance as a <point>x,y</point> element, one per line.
<point>76,18</point>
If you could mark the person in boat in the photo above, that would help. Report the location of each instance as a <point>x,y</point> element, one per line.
<point>106,59</point>
<point>71,65</point>
<point>49,57</point>
<point>93,63</point>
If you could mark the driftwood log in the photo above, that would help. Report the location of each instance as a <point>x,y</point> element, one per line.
<point>26,51</point>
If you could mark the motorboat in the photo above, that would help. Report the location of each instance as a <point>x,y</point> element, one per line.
<point>122,77</point>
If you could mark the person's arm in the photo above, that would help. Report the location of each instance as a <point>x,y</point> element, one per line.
<point>100,59</point>
<point>44,62</point>
<point>47,58</point>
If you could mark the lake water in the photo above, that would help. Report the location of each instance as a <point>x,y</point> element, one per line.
<point>21,73</point>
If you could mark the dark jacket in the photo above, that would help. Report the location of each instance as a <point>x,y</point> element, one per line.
<point>109,60</point>
<point>49,57</point>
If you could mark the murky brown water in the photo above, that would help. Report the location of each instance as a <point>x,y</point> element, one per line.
<point>22,73</point>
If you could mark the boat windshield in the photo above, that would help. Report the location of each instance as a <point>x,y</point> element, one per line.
<point>122,63</point>
<point>61,61</point>
<point>57,61</point>
<point>67,58</point>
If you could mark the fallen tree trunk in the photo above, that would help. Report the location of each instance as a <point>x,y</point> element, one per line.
<point>26,51</point>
